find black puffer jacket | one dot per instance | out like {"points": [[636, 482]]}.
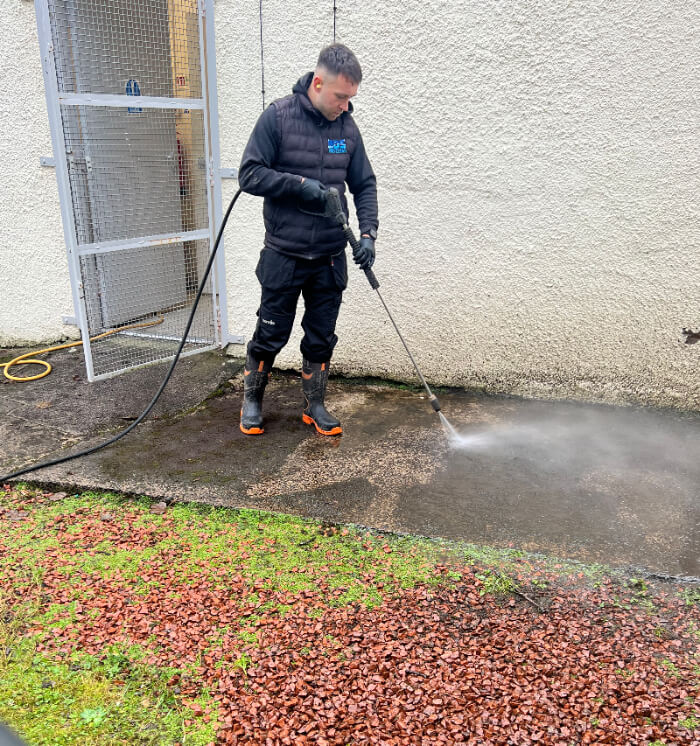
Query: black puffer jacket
{"points": [[292, 139]]}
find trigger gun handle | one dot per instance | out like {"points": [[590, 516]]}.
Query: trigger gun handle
{"points": [[336, 210]]}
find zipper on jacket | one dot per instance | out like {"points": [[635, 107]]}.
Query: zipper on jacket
{"points": [[320, 178], [320, 174]]}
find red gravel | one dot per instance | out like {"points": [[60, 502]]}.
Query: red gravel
{"points": [[450, 666], [432, 665]]}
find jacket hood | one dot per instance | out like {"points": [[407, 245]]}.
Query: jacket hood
{"points": [[301, 88]]}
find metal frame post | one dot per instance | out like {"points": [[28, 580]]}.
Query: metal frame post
{"points": [[48, 66], [207, 49]]}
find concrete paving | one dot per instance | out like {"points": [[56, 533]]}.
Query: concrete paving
{"points": [[619, 486]]}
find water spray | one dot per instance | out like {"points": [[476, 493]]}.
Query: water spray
{"points": [[334, 209]]}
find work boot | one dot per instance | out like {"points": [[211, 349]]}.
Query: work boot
{"points": [[314, 379], [255, 377]]}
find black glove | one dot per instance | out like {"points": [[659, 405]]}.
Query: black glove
{"points": [[313, 191], [364, 253]]}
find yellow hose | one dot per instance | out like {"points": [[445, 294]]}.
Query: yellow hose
{"points": [[27, 358]]}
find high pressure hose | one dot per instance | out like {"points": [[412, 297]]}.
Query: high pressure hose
{"points": [[152, 404]]}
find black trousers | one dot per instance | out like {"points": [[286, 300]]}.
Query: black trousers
{"points": [[283, 279]]}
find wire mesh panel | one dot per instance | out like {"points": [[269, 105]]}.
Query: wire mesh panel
{"points": [[128, 79], [135, 174], [118, 296], [102, 45]]}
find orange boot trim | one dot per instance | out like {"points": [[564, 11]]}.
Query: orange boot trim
{"points": [[310, 421], [251, 430]]}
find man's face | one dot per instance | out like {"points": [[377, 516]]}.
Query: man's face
{"points": [[332, 94]]}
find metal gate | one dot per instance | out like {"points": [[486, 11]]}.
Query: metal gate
{"points": [[130, 88]]}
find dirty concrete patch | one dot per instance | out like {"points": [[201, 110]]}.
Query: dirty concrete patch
{"points": [[596, 483], [42, 418], [358, 477]]}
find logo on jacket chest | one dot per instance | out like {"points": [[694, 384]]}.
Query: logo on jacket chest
{"points": [[337, 146]]}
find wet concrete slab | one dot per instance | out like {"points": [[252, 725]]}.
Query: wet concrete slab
{"points": [[619, 486]]}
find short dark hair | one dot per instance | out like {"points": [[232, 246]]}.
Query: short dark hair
{"points": [[339, 60]]}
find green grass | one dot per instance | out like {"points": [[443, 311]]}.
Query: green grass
{"points": [[513, 561], [285, 553], [671, 667], [92, 701], [496, 583], [116, 697], [691, 596], [86, 700], [119, 696]]}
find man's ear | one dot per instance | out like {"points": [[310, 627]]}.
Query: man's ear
{"points": [[317, 82]]}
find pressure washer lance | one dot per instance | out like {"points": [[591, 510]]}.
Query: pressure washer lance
{"points": [[335, 210]]}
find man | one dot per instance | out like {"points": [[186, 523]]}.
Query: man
{"points": [[302, 145]]}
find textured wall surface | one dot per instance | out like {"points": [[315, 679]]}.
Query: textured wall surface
{"points": [[33, 265], [538, 175]]}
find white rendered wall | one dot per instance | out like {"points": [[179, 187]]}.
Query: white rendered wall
{"points": [[538, 179], [33, 265]]}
